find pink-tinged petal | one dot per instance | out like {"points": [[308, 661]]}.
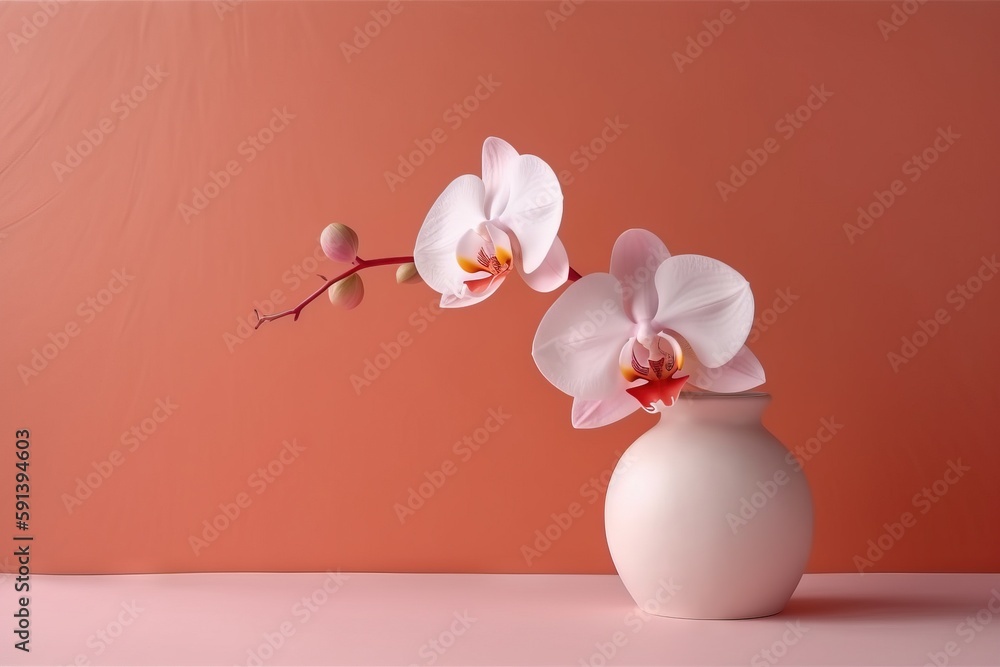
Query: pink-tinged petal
{"points": [[498, 156], [466, 297], [706, 302], [551, 273], [634, 260], [534, 210], [481, 285], [469, 252], [603, 411], [628, 358], [456, 211], [503, 245], [579, 339], [742, 373]]}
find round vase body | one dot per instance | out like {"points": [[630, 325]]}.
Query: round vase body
{"points": [[707, 514]]}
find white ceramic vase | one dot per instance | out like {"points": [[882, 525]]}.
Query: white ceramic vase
{"points": [[707, 514]]}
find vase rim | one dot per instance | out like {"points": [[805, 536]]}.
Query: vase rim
{"points": [[709, 394]]}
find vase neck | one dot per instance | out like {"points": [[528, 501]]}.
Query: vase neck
{"points": [[732, 409]]}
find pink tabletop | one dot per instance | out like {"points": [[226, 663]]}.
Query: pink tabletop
{"points": [[454, 619]]}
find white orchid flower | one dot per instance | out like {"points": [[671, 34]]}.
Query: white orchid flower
{"points": [[632, 338], [480, 229]]}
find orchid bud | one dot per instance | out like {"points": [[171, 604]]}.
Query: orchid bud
{"points": [[347, 292], [339, 243], [407, 273]]}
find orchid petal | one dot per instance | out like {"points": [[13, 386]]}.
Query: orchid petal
{"points": [[636, 256], [706, 302], [551, 273], [457, 210], [741, 373], [603, 411], [470, 246], [579, 339], [498, 157], [480, 286], [503, 246], [466, 297], [534, 210], [627, 359]]}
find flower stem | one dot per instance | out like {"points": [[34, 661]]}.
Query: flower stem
{"points": [[359, 265]]}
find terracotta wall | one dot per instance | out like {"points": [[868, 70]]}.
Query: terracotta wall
{"points": [[165, 167]]}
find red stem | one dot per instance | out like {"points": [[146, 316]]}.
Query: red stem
{"points": [[359, 265]]}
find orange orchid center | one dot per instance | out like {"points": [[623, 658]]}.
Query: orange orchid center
{"points": [[496, 263], [491, 258]]}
